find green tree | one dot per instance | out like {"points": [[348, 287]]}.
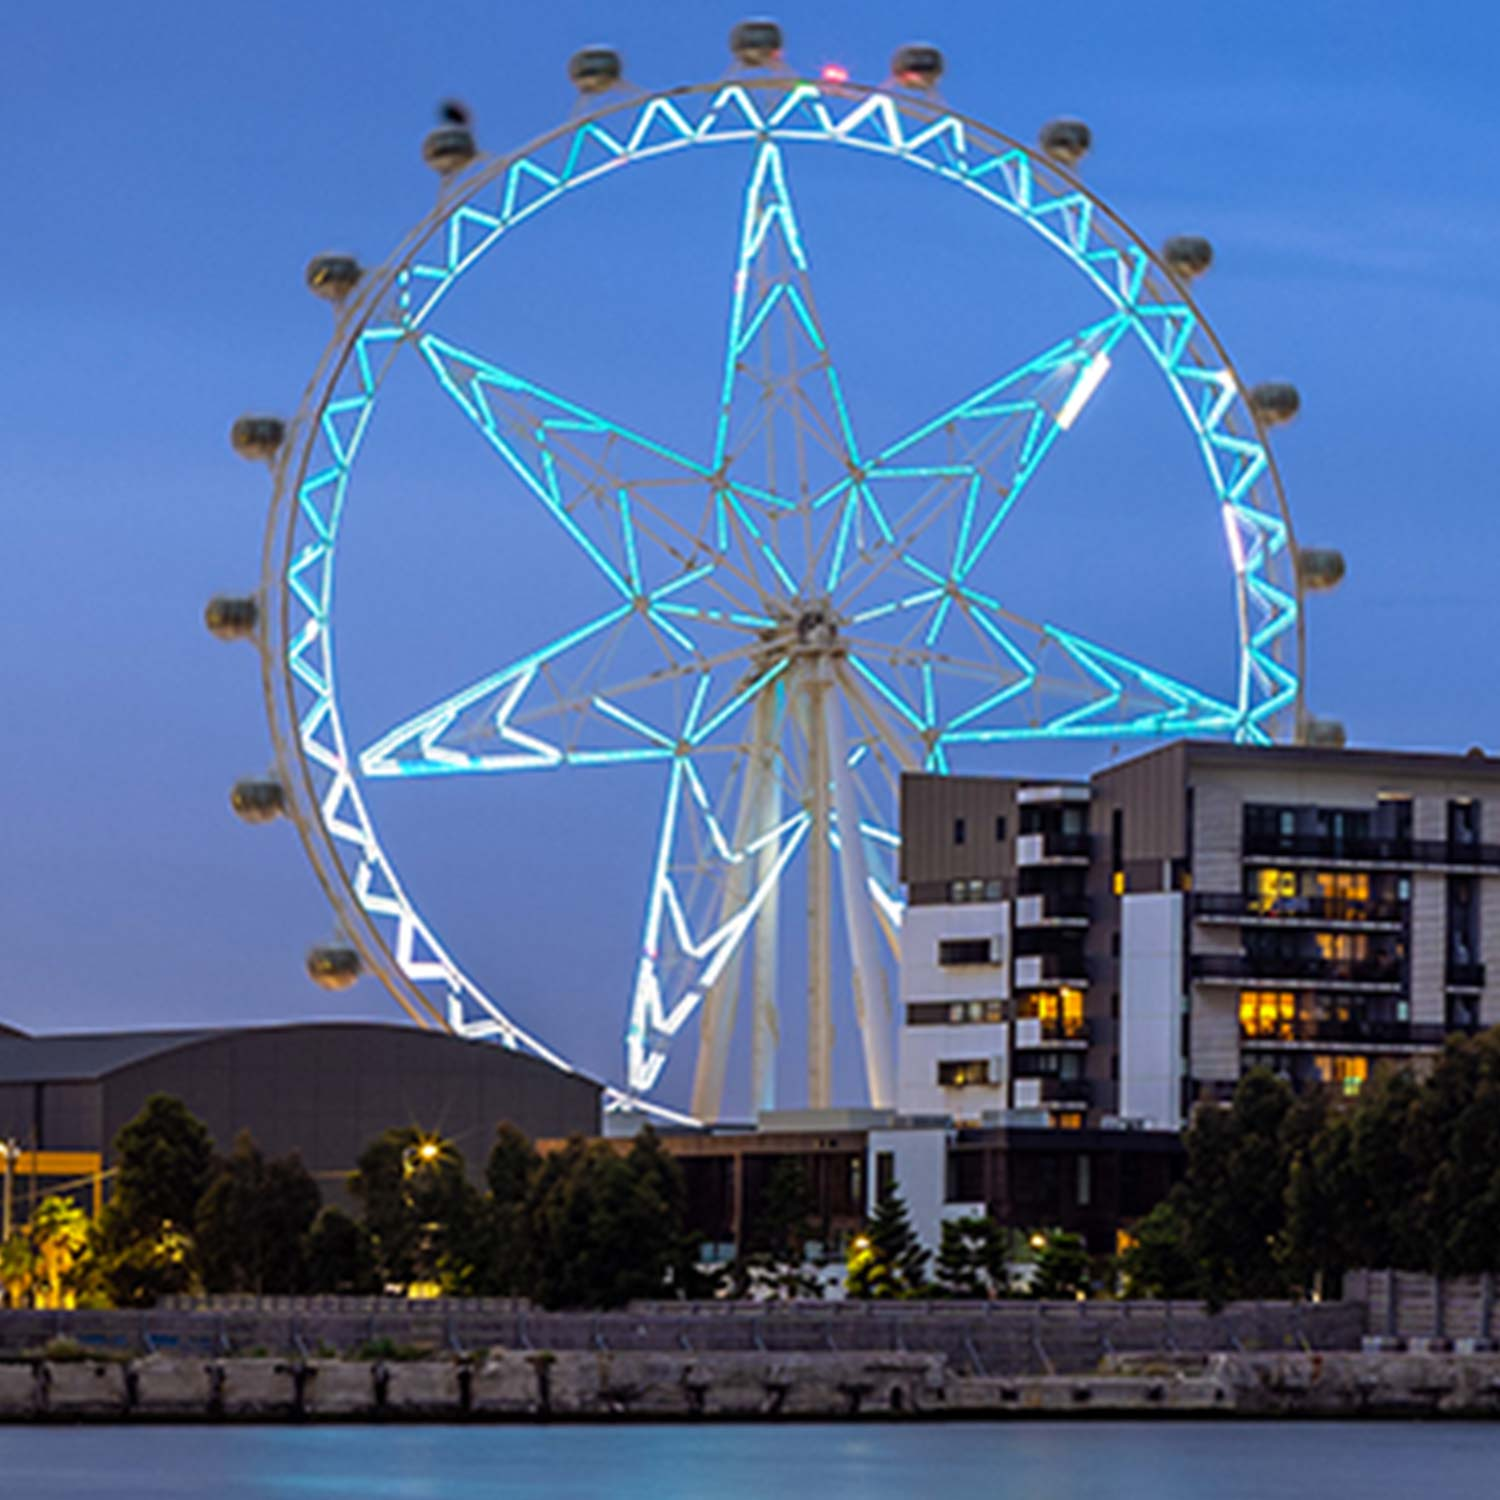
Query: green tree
{"points": [[888, 1259], [1158, 1262], [1062, 1267], [424, 1217], [773, 1256], [252, 1221], [1453, 1147], [339, 1257], [163, 1160], [511, 1174], [59, 1230], [608, 1228], [971, 1260]]}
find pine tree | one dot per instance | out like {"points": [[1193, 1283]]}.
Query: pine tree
{"points": [[971, 1258], [887, 1260]]}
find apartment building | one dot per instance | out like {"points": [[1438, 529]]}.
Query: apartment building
{"points": [[1119, 949]]}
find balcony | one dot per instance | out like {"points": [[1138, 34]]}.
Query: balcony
{"points": [[1235, 908], [1037, 1031], [1352, 850], [1053, 849], [1052, 910], [1331, 973], [1357, 1031], [1464, 976], [1044, 970], [1031, 1092]]}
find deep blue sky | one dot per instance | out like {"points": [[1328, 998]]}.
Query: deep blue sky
{"points": [[168, 168]]}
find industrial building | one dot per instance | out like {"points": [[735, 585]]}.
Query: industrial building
{"points": [[1112, 952], [324, 1089]]}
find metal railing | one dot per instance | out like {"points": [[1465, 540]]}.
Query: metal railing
{"points": [[1382, 972], [1296, 908]]}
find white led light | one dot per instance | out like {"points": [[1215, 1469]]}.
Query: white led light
{"points": [[1084, 387]]}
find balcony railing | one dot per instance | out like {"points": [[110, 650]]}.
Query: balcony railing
{"points": [[1356, 1030], [1050, 906], [1033, 848], [1464, 976], [1358, 849], [1238, 906], [1037, 969], [1384, 972], [1036, 1031]]}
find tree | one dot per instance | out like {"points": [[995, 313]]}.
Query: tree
{"points": [[773, 1257], [18, 1268], [971, 1259], [1062, 1267], [1158, 1263], [608, 1228], [252, 1221], [511, 1173], [339, 1257], [163, 1160], [59, 1231], [1455, 1140], [423, 1216], [887, 1260]]}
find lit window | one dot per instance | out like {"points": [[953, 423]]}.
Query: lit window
{"points": [[1349, 1073], [963, 1074], [1068, 1121], [1117, 882], [1268, 1013]]}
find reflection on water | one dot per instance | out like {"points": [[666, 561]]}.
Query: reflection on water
{"points": [[989, 1461]]}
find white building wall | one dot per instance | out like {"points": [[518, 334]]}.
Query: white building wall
{"points": [[923, 979], [922, 1048], [920, 1160], [1151, 1009], [924, 927]]}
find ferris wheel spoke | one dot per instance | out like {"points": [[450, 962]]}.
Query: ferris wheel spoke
{"points": [[993, 677], [705, 892], [578, 702], [947, 487], [642, 514], [782, 410]]}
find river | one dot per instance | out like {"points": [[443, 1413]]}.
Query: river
{"points": [[1147, 1460]]}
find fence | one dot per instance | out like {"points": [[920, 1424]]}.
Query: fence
{"points": [[1414, 1304], [983, 1338]]}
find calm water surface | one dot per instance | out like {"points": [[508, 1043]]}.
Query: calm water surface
{"points": [[1009, 1461]]}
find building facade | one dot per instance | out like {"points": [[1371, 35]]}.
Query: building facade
{"points": [[1155, 932], [324, 1089]]}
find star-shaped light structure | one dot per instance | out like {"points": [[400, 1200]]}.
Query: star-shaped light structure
{"points": [[787, 618]]}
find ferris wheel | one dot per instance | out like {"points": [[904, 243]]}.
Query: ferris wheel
{"points": [[782, 618]]}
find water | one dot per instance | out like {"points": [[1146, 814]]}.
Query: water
{"points": [[988, 1461]]}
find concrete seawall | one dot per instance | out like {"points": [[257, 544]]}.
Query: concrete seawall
{"points": [[521, 1386]]}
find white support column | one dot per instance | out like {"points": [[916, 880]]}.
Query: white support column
{"points": [[721, 1004], [819, 894], [765, 1021], [872, 1001]]}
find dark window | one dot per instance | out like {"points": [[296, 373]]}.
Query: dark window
{"points": [[885, 1172], [963, 1073], [964, 951], [1463, 821], [1000, 829], [1117, 839], [960, 831]]}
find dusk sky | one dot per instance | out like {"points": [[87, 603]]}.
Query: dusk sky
{"points": [[169, 168]]}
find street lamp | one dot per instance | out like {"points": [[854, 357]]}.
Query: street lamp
{"points": [[9, 1152]]}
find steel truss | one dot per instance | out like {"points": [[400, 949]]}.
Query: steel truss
{"points": [[805, 617]]}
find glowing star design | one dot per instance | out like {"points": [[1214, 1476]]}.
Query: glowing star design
{"points": [[786, 619]]}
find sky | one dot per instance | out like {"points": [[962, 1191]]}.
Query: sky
{"points": [[169, 168]]}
